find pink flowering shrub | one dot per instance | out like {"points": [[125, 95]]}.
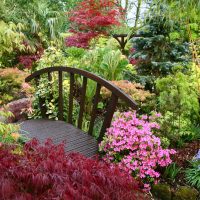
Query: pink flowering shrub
{"points": [[131, 144]]}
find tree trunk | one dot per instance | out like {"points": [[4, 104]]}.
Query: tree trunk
{"points": [[139, 2]]}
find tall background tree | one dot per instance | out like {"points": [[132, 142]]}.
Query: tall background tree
{"points": [[187, 12], [133, 10], [92, 18], [40, 22], [169, 37]]}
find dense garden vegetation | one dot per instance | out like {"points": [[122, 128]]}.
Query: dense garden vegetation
{"points": [[155, 149]]}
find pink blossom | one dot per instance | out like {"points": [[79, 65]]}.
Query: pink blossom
{"points": [[139, 149]]}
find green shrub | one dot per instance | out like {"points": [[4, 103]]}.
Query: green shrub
{"points": [[112, 65], [75, 52], [105, 62], [156, 52], [11, 80], [179, 105], [49, 93], [10, 37], [51, 57], [171, 171]]}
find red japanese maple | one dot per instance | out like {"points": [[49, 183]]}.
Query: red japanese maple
{"points": [[27, 61], [91, 18], [45, 172]]}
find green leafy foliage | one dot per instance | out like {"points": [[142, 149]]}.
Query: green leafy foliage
{"points": [[105, 62], [185, 11], [112, 65], [195, 77], [11, 36], [52, 57], [9, 132], [42, 18], [103, 59], [177, 94], [192, 174], [30, 25], [179, 105], [75, 52], [45, 91], [156, 52], [171, 171]]}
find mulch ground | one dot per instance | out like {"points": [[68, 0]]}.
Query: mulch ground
{"points": [[182, 158], [186, 153]]}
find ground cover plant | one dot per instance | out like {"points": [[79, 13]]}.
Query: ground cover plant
{"points": [[9, 133], [193, 173], [157, 65], [46, 172], [178, 101]]}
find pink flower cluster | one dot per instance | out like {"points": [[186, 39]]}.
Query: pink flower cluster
{"points": [[130, 142]]}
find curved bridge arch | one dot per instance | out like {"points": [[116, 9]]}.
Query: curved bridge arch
{"points": [[116, 94]]}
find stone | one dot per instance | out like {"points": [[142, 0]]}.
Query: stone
{"points": [[185, 193], [18, 107], [162, 191], [2, 119]]}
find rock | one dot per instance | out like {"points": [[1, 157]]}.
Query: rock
{"points": [[185, 193], [162, 191], [2, 119], [17, 108]]}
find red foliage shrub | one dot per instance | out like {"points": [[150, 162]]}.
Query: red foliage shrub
{"points": [[46, 172], [26, 61], [91, 18], [80, 40]]}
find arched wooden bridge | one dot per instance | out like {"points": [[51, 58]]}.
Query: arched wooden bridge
{"points": [[76, 139]]}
